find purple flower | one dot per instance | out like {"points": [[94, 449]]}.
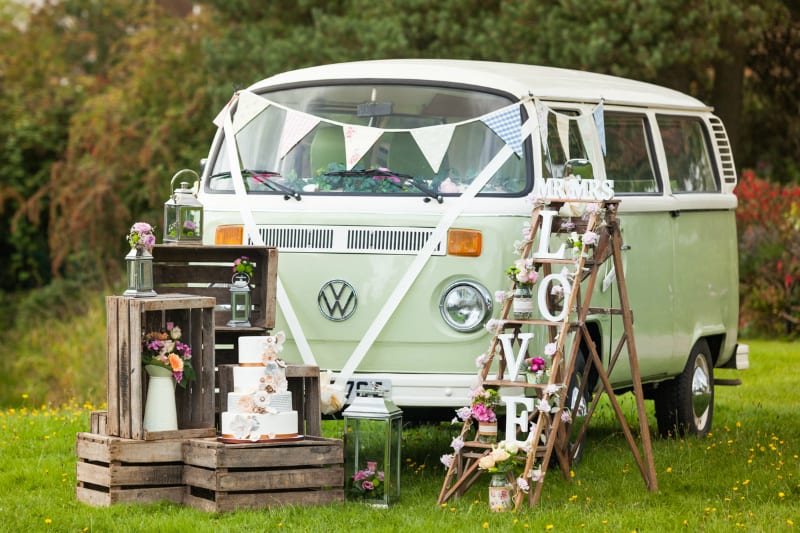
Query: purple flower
{"points": [[178, 375], [367, 485], [360, 475], [589, 238]]}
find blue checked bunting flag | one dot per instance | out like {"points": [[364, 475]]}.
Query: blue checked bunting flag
{"points": [[506, 124]]}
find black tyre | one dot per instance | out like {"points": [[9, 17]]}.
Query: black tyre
{"points": [[685, 405]]}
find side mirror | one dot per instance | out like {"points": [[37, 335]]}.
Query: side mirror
{"points": [[580, 168]]}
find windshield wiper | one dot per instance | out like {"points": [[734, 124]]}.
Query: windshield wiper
{"points": [[263, 177], [397, 179]]}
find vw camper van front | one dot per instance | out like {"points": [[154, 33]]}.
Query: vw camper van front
{"points": [[396, 190]]}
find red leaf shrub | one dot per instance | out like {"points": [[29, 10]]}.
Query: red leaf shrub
{"points": [[768, 221]]}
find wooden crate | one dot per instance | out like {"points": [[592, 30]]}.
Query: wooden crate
{"points": [[128, 320], [207, 271], [114, 470], [303, 383], [98, 422], [224, 477]]}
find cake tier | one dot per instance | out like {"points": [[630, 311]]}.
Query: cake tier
{"points": [[253, 378], [253, 349], [281, 402], [256, 427]]}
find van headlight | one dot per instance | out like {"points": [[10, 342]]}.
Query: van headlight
{"points": [[465, 306]]}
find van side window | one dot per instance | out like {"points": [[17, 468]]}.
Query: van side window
{"points": [[688, 160], [629, 155]]}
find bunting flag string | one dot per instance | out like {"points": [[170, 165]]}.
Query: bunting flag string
{"points": [[296, 125], [357, 142], [249, 107], [596, 120], [434, 141], [506, 124], [600, 124]]}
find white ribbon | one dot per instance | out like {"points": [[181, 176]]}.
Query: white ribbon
{"points": [[252, 232], [448, 217]]}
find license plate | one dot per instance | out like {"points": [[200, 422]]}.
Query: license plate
{"points": [[364, 383]]}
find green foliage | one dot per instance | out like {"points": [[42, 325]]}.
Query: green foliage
{"points": [[768, 220], [102, 101]]}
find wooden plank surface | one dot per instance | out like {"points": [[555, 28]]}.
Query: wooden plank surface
{"points": [[99, 498], [210, 453], [225, 502], [263, 480]]}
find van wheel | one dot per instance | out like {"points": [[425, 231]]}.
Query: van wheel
{"points": [[685, 405]]}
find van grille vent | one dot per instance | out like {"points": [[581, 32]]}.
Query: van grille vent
{"points": [[348, 239], [724, 148]]}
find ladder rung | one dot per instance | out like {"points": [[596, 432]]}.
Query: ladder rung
{"points": [[512, 321]]}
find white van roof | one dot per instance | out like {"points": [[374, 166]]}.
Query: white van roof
{"points": [[547, 83]]}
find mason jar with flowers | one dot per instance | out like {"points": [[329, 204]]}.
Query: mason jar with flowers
{"points": [[500, 463], [484, 404], [524, 275], [167, 362]]}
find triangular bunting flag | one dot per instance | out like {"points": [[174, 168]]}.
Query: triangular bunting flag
{"points": [[506, 124], [357, 142], [562, 124], [295, 126], [433, 141], [600, 124], [219, 120], [586, 125], [250, 105], [541, 115]]}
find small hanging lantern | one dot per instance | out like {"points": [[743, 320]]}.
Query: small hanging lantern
{"points": [[183, 212], [240, 293], [372, 431]]}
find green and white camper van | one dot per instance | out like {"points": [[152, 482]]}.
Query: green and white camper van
{"points": [[396, 189]]}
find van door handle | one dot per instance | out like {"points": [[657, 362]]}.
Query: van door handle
{"points": [[675, 214]]}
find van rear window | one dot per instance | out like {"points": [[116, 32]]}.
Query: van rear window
{"points": [[688, 155]]}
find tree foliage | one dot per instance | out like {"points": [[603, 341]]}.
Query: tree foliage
{"points": [[102, 101]]}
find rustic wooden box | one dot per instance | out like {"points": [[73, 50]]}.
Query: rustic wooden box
{"points": [[98, 421], [114, 470], [303, 383], [224, 477], [207, 271], [128, 320]]}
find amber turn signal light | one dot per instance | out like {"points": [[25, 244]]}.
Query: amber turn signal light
{"points": [[465, 242], [230, 234]]}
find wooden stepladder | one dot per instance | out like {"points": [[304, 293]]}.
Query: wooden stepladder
{"points": [[550, 409]]}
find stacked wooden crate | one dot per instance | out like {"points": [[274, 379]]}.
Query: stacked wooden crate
{"points": [[114, 470], [120, 461], [225, 477]]}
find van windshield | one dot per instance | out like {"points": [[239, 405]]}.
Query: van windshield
{"points": [[369, 139]]}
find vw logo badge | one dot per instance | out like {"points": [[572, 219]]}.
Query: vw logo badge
{"points": [[337, 300]]}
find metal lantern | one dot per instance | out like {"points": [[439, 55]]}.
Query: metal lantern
{"points": [[240, 301], [372, 429], [183, 212], [139, 266]]}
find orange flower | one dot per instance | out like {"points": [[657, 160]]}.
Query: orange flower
{"points": [[175, 362]]}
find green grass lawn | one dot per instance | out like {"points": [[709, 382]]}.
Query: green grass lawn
{"points": [[744, 476]]}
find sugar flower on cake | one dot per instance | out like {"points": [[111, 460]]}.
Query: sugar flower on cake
{"points": [[245, 428]]}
